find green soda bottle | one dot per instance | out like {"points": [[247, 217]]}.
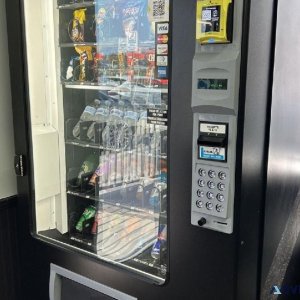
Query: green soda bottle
{"points": [[88, 213]]}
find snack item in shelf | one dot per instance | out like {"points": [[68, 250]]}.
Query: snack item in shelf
{"points": [[87, 115], [73, 64], [88, 166], [88, 213], [86, 72], [76, 27]]}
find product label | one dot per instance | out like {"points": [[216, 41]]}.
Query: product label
{"points": [[132, 115], [102, 112], [117, 113], [90, 110], [212, 153]]}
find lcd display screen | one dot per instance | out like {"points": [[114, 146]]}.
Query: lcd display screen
{"points": [[212, 84]]}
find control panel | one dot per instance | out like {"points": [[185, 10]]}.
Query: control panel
{"points": [[215, 103], [212, 190]]}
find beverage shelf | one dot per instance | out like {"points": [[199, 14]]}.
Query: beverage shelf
{"points": [[86, 85], [112, 196]]}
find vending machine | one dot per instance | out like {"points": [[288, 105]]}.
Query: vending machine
{"points": [[141, 144]]}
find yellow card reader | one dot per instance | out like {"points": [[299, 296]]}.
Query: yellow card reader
{"points": [[214, 21]]}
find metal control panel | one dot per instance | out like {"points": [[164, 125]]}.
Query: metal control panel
{"points": [[215, 102]]}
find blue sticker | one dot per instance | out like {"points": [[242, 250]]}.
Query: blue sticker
{"points": [[162, 72], [212, 153]]}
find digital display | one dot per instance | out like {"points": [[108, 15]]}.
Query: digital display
{"points": [[210, 21], [212, 84]]}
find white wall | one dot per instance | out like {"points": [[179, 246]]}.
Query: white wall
{"points": [[7, 176]]}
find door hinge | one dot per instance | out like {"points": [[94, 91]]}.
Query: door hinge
{"points": [[20, 165]]}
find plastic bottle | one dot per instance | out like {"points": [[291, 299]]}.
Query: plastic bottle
{"points": [[160, 242], [112, 139], [88, 214], [131, 118], [87, 115], [110, 135], [89, 165], [143, 145], [101, 116]]}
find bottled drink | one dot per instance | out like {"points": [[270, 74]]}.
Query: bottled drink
{"points": [[112, 139], [89, 165], [111, 134], [88, 214], [97, 222], [160, 242], [143, 141], [155, 152], [87, 115], [154, 199], [100, 172], [101, 116], [131, 117]]}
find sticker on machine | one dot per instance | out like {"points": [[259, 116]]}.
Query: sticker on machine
{"points": [[212, 153], [162, 61], [162, 49], [158, 10]]}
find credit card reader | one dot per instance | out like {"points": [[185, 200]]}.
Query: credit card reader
{"points": [[215, 102], [214, 21]]}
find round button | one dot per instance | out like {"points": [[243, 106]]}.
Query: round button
{"points": [[202, 222], [200, 193], [199, 204], [222, 175], [209, 206], [201, 183], [202, 172], [212, 174], [221, 186], [211, 185], [219, 208], [210, 195], [220, 197]]}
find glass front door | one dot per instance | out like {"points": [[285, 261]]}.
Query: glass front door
{"points": [[110, 133]]}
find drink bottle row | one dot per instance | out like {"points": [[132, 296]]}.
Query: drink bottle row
{"points": [[131, 148], [118, 234]]}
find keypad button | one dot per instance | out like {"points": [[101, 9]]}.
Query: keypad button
{"points": [[209, 206], [221, 186], [210, 195], [199, 204], [211, 185], [222, 175], [200, 193], [220, 197], [201, 182], [211, 174], [202, 172], [219, 208]]}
